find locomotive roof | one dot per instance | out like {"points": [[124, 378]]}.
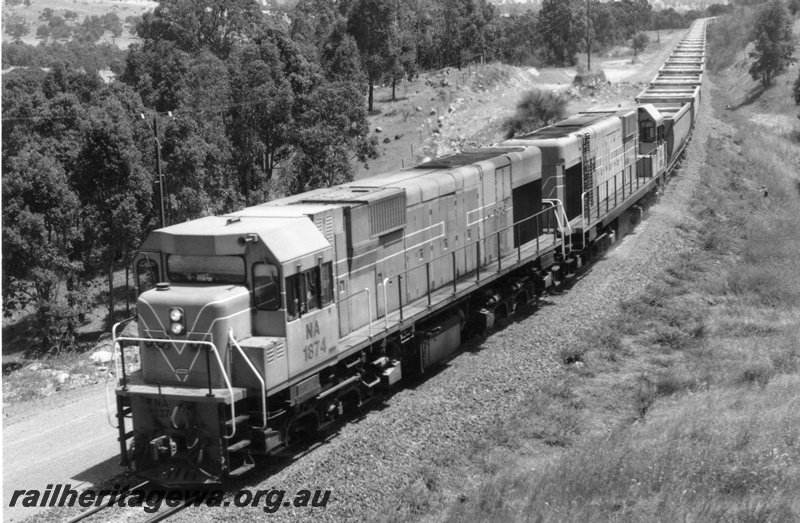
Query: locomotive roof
{"points": [[466, 157], [568, 126], [221, 235]]}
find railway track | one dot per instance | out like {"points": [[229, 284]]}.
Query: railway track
{"points": [[171, 511]]}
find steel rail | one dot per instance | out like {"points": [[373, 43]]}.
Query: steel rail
{"points": [[94, 510]]}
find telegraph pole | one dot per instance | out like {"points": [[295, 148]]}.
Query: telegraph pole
{"points": [[588, 40], [160, 178]]}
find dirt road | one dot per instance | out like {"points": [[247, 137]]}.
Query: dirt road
{"points": [[70, 443]]}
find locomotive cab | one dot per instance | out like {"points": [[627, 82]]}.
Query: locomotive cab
{"points": [[652, 154], [220, 300]]}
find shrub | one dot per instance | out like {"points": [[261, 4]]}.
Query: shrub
{"points": [[536, 109]]}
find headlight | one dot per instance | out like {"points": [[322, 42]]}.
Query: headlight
{"points": [[176, 314], [177, 326]]}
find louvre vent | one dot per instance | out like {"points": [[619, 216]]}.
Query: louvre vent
{"points": [[387, 215], [275, 351], [328, 232], [324, 223]]}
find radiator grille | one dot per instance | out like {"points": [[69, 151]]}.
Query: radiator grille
{"points": [[387, 215]]}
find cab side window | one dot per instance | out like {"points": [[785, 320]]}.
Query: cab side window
{"points": [[647, 131], [309, 290], [266, 287], [293, 295], [146, 274], [326, 283], [312, 288]]}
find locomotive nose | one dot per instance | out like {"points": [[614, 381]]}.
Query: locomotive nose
{"points": [[183, 320]]}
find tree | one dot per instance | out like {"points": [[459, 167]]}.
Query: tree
{"points": [[640, 41], [133, 22], [61, 32], [402, 52], [113, 184], [17, 30], [46, 13], [313, 21], [340, 58], [43, 32], [370, 24], [196, 150], [264, 110], [40, 230], [774, 42], [212, 24], [558, 25], [331, 132], [535, 109], [639, 15], [796, 91]]}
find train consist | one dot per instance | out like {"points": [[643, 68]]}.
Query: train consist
{"points": [[265, 324]]}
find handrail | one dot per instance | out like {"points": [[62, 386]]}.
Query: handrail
{"points": [[258, 377], [536, 218], [385, 303], [212, 348], [369, 304], [108, 370], [557, 205]]}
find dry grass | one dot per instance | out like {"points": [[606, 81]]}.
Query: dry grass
{"points": [[721, 455], [697, 385]]}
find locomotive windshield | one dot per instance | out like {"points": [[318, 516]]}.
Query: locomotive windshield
{"points": [[205, 269], [146, 274]]}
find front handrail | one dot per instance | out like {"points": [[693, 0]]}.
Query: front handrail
{"points": [[258, 377], [211, 347], [115, 346]]}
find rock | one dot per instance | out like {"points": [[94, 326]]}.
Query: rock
{"points": [[418, 109], [386, 140], [433, 111], [101, 356], [398, 136], [379, 129]]}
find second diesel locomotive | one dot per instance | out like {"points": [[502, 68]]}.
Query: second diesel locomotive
{"points": [[264, 324]]}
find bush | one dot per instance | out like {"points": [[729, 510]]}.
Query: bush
{"points": [[796, 92], [640, 41], [536, 109]]}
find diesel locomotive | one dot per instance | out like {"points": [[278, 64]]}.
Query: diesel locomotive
{"points": [[262, 325]]}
